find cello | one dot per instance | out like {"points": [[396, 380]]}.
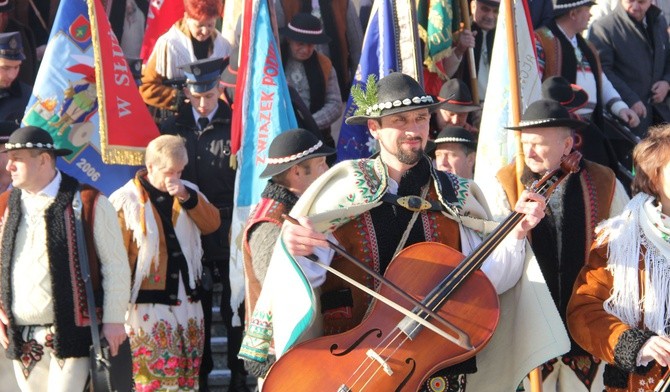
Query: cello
{"points": [[392, 351]]}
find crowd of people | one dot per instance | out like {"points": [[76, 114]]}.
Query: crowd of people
{"points": [[157, 245]]}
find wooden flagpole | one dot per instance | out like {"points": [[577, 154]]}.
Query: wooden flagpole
{"points": [[535, 375], [515, 95], [465, 16]]}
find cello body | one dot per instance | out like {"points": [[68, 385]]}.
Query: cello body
{"points": [[376, 355]]}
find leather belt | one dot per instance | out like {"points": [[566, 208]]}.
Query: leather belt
{"points": [[412, 203]]}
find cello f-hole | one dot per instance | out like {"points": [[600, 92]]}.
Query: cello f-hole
{"points": [[356, 343], [409, 361]]}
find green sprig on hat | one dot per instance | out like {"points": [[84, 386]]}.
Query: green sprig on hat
{"points": [[365, 99]]}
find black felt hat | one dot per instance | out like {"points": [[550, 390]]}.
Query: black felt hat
{"points": [[490, 3], [456, 97], [292, 147], [396, 93], [547, 113], [561, 7], [305, 28], [203, 75], [455, 135], [6, 5], [11, 46], [36, 138], [570, 96], [229, 75]]}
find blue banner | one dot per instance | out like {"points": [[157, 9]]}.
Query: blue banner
{"points": [[378, 57], [267, 108], [65, 98]]}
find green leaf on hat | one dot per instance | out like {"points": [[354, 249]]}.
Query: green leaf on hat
{"points": [[365, 99]]}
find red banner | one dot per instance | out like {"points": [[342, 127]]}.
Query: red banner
{"points": [[126, 126]]}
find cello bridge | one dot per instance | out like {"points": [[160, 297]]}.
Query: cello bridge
{"points": [[373, 355]]}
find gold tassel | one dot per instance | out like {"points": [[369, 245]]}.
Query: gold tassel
{"points": [[233, 161]]}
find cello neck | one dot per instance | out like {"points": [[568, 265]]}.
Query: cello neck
{"points": [[545, 186]]}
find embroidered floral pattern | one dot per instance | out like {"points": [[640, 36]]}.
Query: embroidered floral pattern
{"points": [[584, 366], [450, 383], [168, 357], [31, 353]]}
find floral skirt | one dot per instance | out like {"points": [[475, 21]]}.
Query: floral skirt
{"points": [[166, 343]]}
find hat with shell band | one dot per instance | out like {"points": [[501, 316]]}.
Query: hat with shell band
{"points": [[33, 138], [394, 93], [292, 147], [203, 75], [456, 97], [570, 96], [305, 28], [455, 135], [562, 7], [547, 113]]}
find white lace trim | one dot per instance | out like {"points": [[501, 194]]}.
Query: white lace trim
{"points": [[397, 103], [276, 161]]}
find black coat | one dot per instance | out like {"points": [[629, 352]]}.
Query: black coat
{"points": [[13, 101], [209, 168]]}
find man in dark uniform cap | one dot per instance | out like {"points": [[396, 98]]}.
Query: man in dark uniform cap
{"points": [[14, 94], [205, 124]]}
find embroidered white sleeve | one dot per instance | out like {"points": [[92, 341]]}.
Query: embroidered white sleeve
{"points": [[504, 266], [314, 273]]}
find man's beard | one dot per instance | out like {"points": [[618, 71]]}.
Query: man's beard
{"points": [[408, 157]]}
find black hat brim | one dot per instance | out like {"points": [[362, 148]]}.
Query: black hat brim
{"points": [[581, 98], [59, 152], [316, 39], [551, 123], [363, 120], [273, 170], [459, 108]]}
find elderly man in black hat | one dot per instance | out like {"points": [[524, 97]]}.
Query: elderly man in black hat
{"points": [[562, 240], [457, 106], [311, 73], [14, 94], [373, 208], [561, 50], [205, 125], [455, 151], [43, 325], [295, 159]]}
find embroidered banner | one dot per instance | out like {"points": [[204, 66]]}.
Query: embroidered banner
{"points": [[262, 110], [86, 97], [497, 146], [435, 23], [390, 44]]}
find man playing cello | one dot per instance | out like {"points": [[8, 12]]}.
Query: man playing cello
{"points": [[363, 206]]}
